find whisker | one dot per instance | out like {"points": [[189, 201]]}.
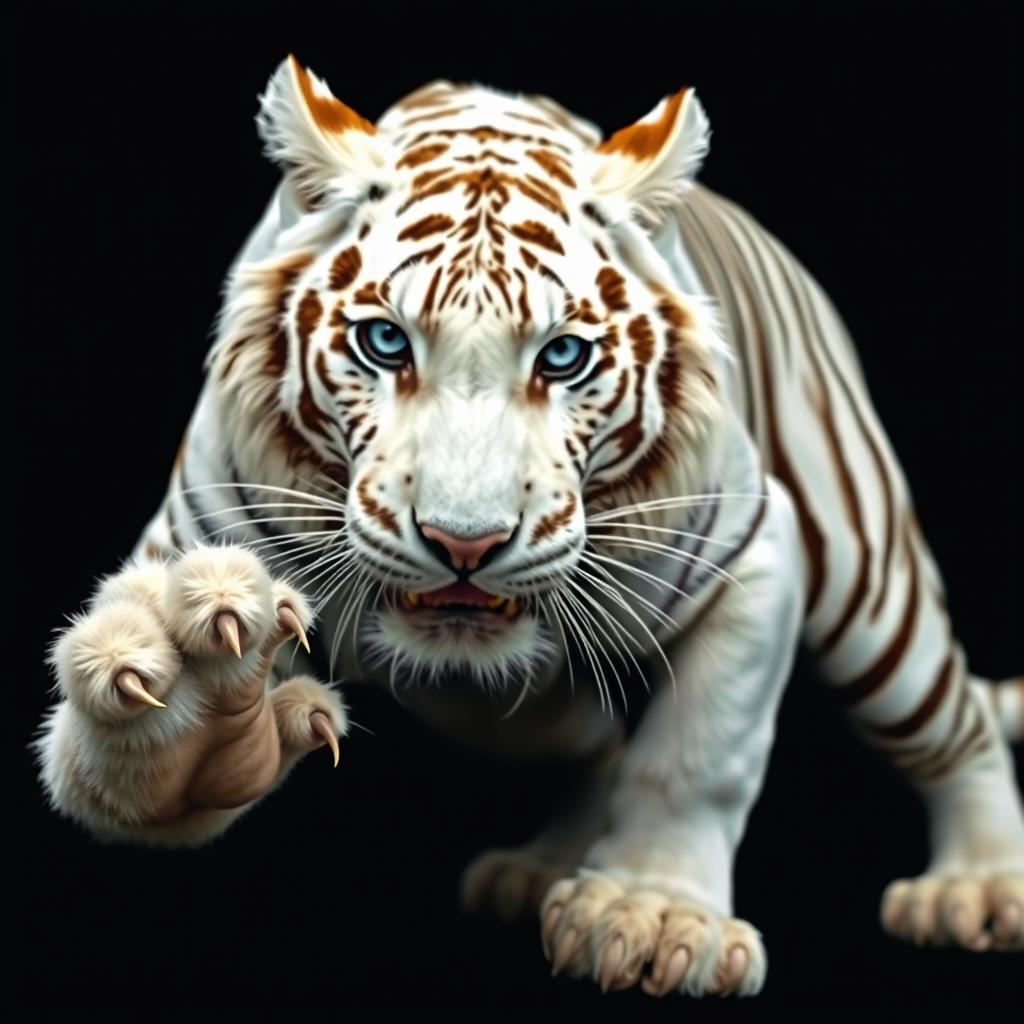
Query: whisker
{"points": [[587, 618], [626, 607], [667, 551], [666, 619], [663, 529], [321, 502], [660, 504]]}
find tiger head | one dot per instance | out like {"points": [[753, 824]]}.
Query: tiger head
{"points": [[460, 320]]}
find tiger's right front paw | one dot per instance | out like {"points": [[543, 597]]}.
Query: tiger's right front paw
{"points": [[168, 729]]}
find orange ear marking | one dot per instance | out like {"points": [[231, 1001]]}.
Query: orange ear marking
{"points": [[644, 139], [328, 113]]}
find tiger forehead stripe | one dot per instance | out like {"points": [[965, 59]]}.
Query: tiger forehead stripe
{"points": [[538, 234], [423, 154], [429, 225]]}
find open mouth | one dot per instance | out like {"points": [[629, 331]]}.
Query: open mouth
{"points": [[463, 599]]}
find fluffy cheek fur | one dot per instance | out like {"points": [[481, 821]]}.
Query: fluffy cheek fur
{"points": [[429, 652]]}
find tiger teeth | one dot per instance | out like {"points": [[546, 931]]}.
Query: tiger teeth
{"points": [[511, 608], [496, 601], [410, 598]]}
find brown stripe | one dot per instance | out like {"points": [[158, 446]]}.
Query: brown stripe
{"points": [[375, 510], [925, 711], [549, 524], [612, 287], [642, 337], [813, 538], [960, 751], [554, 165], [536, 233], [876, 457], [428, 225], [345, 268], [874, 678], [422, 154]]}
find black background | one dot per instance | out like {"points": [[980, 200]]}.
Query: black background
{"points": [[877, 141]]}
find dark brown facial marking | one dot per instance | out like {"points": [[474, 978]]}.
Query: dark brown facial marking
{"points": [[277, 347], [642, 337], [429, 225], [554, 164], [423, 154], [672, 314], [367, 294], [345, 268], [549, 524], [537, 234], [612, 286], [375, 510]]}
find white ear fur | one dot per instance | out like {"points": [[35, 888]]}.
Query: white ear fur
{"points": [[652, 163], [313, 135]]}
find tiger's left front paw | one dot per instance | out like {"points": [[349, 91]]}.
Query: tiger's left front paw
{"points": [[594, 925]]}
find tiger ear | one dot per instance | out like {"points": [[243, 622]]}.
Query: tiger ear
{"points": [[314, 136], [652, 163]]}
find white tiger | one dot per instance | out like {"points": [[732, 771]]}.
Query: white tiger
{"points": [[534, 418]]}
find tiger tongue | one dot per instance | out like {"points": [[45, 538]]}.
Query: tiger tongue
{"points": [[458, 593]]}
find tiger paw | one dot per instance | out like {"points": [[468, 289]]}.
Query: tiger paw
{"points": [[168, 729], [620, 935], [977, 911]]}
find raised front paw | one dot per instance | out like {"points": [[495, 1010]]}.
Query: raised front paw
{"points": [[617, 934], [978, 910], [168, 728]]}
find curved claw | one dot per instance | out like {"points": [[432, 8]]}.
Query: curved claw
{"points": [[564, 951], [291, 620], [129, 683], [321, 725], [614, 958], [227, 626]]}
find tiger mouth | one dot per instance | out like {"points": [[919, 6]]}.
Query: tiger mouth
{"points": [[460, 600]]}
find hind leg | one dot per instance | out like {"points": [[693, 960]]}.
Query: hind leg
{"points": [[904, 680]]}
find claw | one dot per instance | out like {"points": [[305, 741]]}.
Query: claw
{"points": [[564, 952], [614, 957], [548, 927], [321, 725], [129, 683], [227, 626], [291, 620], [670, 977]]}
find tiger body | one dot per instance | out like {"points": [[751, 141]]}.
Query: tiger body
{"points": [[704, 488]]}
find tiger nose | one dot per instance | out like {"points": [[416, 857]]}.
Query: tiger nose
{"points": [[464, 552]]}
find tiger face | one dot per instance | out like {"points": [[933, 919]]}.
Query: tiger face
{"points": [[463, 326]]}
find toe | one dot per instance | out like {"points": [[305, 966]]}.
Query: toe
{"points": [[207, 588], [962, 911], [1006, 900]]}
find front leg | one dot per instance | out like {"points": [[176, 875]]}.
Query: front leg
{"points": [[657, 888]]}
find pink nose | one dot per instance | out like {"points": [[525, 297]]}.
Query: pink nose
{"points": [[465, 553]]}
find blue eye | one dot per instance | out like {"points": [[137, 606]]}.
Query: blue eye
{"points": [[564, 357], [384, 343]]}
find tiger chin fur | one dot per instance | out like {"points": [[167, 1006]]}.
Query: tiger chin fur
{"points": [[515, 406]]}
